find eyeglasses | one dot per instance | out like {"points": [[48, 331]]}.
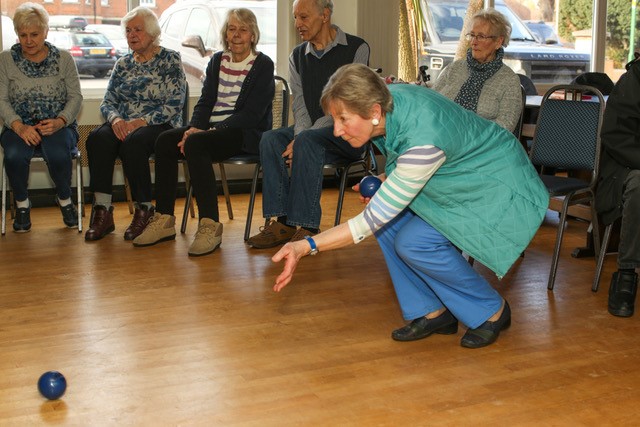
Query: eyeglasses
{"points": [[479, 37]]}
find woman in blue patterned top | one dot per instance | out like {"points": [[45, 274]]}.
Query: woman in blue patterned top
{"points": [[39, 101], [144, 98], [229, 118]]}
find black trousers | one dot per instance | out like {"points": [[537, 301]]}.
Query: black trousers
{"points": [[103, 148], [201, 150]]}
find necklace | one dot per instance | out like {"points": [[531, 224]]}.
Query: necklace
{"points": [[139, 57]]}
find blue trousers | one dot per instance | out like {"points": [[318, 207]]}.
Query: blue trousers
{"points": [[429, 273], [298, 197], [56, 149]]}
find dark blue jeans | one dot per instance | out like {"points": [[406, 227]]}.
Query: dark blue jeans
{"points": [[56, 149], [298, 196]]}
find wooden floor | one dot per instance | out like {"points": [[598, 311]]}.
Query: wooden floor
{"points": [[149, 336]]}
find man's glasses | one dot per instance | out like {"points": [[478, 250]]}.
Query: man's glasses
{"points": [[479, 37]]}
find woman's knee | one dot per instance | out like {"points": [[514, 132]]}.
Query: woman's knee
{"points": [[166, 145], [274, 142], [417, 240]]}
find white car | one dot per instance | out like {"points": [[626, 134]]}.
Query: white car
{"points": [[9, 37], [192, 27]]}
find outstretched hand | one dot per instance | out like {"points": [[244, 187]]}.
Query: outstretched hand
{"points": [[291, 254]]}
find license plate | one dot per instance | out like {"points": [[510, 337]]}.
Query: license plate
{"points": [[97, 51]]}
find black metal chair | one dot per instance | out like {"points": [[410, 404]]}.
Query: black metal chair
{"points": [[567, 138], [77, 158]]}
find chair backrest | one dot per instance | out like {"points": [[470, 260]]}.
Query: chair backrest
{"points": [[518, 130], [567, 134], [600, 81], [528, 85], [280, 104], [185, 106]]}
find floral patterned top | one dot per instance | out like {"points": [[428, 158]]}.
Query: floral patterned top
{"points": [[34, 91], [152, 90]]}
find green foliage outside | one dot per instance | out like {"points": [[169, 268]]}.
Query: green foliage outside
{"points": [[578, 15]]}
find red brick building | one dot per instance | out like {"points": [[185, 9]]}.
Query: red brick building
{"points": [[94, 11]]}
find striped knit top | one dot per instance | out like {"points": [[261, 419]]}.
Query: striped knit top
{"points": [[414, 168], [231, 78]]}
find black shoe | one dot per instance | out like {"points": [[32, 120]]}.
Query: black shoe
{"points": [[69, 214], [422, 327], [622, 293], [22, 221], [488, 332]]}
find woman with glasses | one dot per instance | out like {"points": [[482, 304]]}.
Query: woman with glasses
{"points": [[482, 82]]}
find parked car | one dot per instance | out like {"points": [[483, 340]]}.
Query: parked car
{"points": [[543, 32], [192, 27], [92, 52], [9, 37], [115, 34], [67, 21], [543, 64]]}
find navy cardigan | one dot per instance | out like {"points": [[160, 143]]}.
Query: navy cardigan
{"points": [[252, 111]]}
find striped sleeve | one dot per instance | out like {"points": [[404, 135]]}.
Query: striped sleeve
{"points": [[414, 168]]}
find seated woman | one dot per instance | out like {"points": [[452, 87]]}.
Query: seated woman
{"points": [[144, 98], [482, 82], [229, 118], [39, 101], [470, 186]]}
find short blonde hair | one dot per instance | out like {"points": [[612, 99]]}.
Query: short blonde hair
{"points": [[358, 88], [246, 17], [498, 21], [30, 14], [150, 19]]}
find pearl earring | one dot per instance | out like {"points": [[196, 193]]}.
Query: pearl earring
{"points": [[375, 122]]}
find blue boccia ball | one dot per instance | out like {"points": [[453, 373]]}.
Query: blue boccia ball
{"points": [[369, 185], [52, 385]]}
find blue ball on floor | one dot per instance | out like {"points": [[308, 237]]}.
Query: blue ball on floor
{"points": [[369, 185], [52, 385]]}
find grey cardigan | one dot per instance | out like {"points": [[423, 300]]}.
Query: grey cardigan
{"points": [[500, 99], [17, 87]]}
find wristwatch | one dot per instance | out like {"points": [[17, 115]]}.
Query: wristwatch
{"points": [[312, 243]]}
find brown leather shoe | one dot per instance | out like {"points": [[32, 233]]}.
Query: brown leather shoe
{"points": [[139, 222], [101, 223]]}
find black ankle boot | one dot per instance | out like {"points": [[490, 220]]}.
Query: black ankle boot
{"points": [[622, 293]]}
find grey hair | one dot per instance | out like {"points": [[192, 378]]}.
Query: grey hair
{"points": [[321, 5], [498, 21], [246, 17], [28, 14], [150, 19]]}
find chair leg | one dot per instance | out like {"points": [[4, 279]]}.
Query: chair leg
{"points": [[79, 192], [4, 200], [127, 190], [601, 255], [187, 183], [343, 184], [556, 250], [252, 201], [225, 189], [185, 214]]}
